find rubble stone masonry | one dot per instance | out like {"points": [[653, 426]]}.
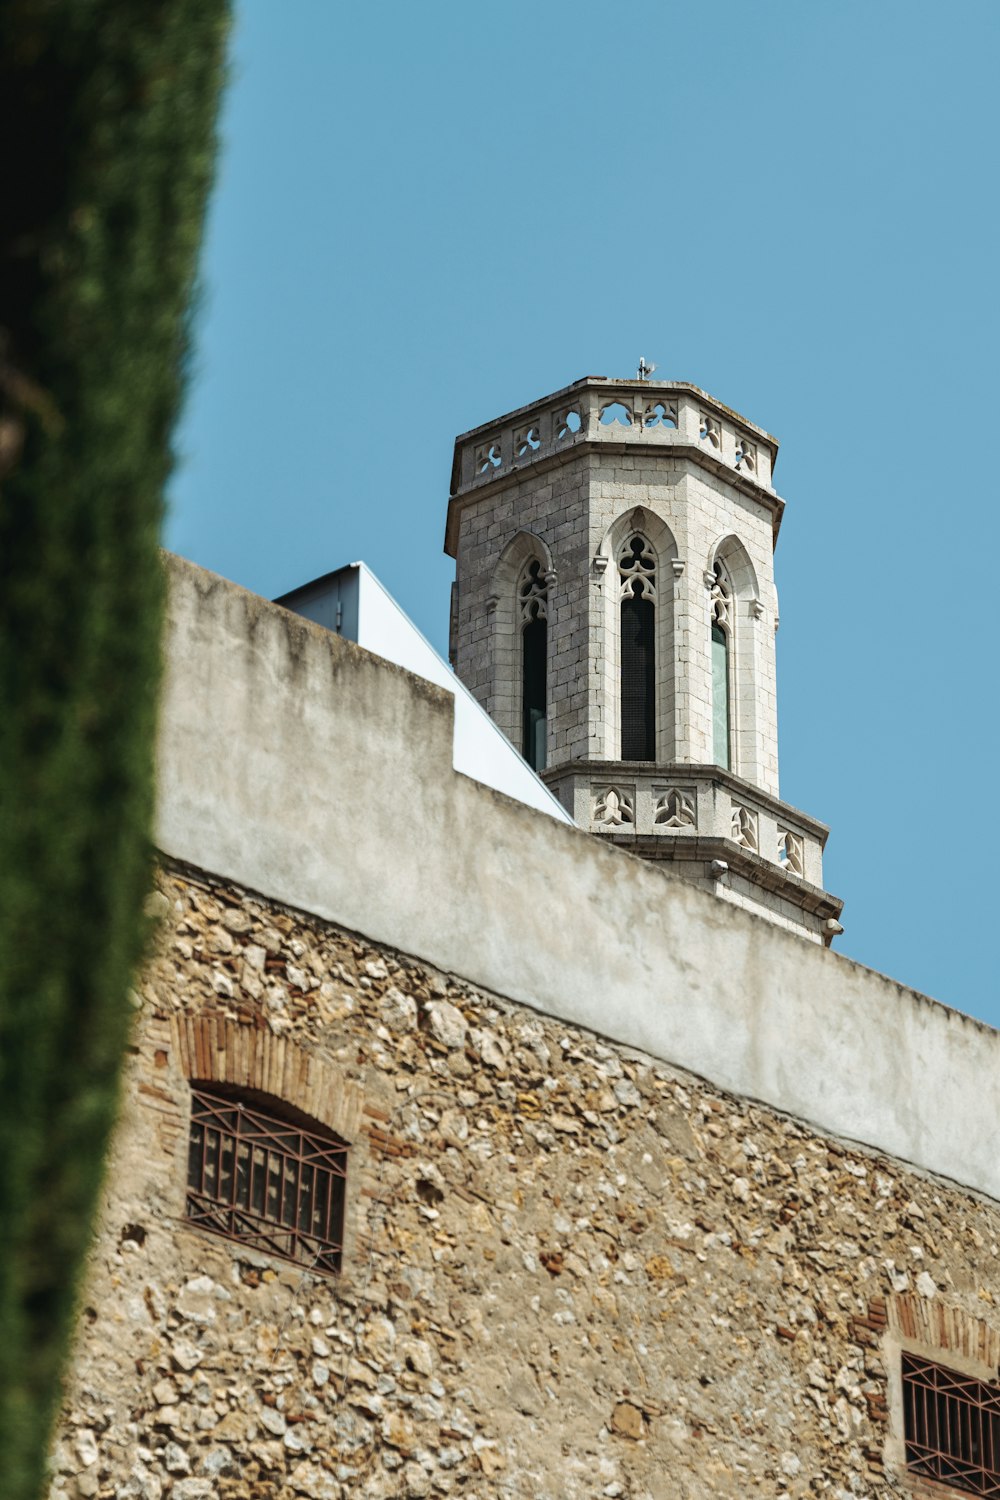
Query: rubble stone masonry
{"points": [[570, 1270]]}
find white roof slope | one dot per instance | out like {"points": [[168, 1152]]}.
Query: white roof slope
{"points": [[352, 602]]}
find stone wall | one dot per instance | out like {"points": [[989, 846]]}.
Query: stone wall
{"points": [[293, 762], [571, 1270]]}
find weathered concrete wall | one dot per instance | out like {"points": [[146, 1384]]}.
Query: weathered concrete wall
{"points": [[303, 767], [570, 1270]]}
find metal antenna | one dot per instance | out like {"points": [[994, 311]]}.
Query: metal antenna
{"points": [[644, 371]]}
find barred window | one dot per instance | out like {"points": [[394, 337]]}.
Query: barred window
{"points": [[951, 1427], [269, 1182]]}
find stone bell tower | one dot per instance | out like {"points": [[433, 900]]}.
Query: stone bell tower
{"points": [[614, 610]]}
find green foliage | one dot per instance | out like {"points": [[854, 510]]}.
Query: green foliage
{"points": [[108, 122]]}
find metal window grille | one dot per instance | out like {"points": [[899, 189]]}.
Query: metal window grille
{"points": [[951, 1427], [265, 1181]]}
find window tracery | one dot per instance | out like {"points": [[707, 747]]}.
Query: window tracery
{"points": [[721, 597], [637, 569], [744, 828], [613, 807], [791, 851], [677, 808], [746, 455], [533, 593], [637, 591]]}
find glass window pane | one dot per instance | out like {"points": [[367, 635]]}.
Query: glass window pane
{"points": [[638, 685]]}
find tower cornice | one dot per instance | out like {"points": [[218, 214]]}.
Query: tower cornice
{"points": [[672, 419]]}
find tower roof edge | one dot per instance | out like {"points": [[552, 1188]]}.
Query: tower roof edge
{"points": [[630, 384]]}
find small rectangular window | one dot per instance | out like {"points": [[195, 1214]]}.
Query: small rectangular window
{"points": [[951, 1427], [266, 1181]]}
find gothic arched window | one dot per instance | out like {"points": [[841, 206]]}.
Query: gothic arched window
{"points": [[532, 597], [722, 624], [637, 571]]}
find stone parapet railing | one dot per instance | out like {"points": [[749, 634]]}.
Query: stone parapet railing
{"points": [[691, 802], [651, 413]]}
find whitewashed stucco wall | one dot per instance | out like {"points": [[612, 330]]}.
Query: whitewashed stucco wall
{"points": [[303, 767]]}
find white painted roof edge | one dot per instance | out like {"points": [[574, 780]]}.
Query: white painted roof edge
{"points": [[481, 750]]}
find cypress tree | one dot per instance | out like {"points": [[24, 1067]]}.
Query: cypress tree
{"points": [[108, 115]]}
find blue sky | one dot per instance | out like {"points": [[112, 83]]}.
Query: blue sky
{"points": [[429, 214]]}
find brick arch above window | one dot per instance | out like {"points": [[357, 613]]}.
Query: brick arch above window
{"points": [[896, 1330], [214, 1049], [947, 1329]]}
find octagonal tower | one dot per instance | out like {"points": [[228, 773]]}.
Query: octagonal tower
{"points": [[614, 610]]}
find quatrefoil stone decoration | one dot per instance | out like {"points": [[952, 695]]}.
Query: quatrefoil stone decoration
{"points": [[488, 457], [613, 808], [746, 455], [677, 808]]}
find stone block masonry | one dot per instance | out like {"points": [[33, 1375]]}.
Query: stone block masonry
{"points": [[571, 1269], [573, 492], [653, 525]]}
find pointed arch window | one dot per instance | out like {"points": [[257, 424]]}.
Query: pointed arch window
{"points": [[637, 572], [532, 601], [722, 625]]}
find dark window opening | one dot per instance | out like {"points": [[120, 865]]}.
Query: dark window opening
{"points": [[534, 647], [951, 1427], [638, 679], [720, 697], [265, 1181]]}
